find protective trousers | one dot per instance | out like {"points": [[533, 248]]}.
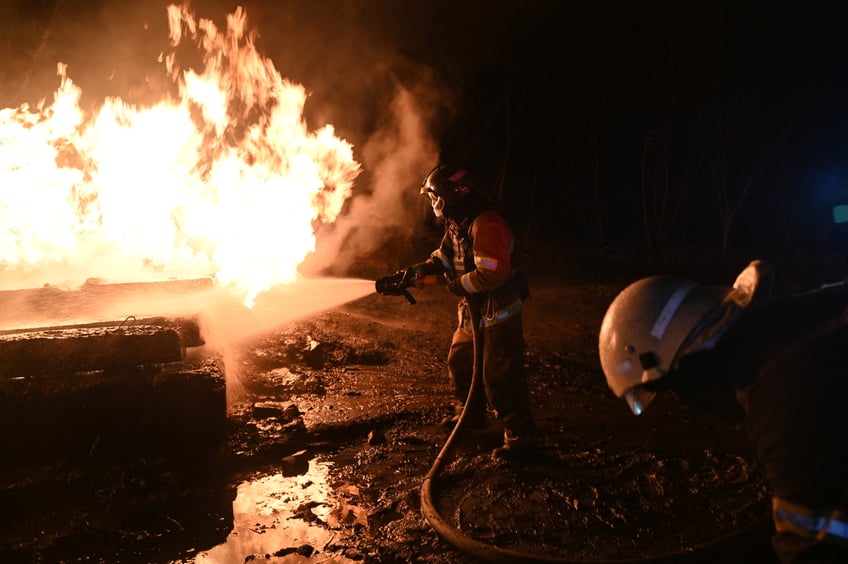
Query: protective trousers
{"points": [[503, 375]]}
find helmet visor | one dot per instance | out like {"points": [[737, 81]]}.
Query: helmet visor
{"points": [[638, 398], [429, 192], [436, 201]]}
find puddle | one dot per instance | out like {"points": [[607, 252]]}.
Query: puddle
{"points": [[275, 514]]}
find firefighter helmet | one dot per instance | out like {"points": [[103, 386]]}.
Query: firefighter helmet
{"points": [[656, 320], [446, 186]]}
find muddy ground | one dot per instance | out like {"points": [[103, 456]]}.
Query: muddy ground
{"points": [[360, 390]]}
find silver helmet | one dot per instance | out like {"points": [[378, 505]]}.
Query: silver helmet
{"points": [[656, 320]]}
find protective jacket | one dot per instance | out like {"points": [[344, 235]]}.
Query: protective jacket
{"points": [[786, 358], [477, 253]]}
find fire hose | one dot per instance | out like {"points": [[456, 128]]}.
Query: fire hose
{"points": [[488, 552]]}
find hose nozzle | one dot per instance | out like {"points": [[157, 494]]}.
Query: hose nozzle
{"points": [[395, 285]]}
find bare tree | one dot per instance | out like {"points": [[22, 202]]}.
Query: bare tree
{"points": [[666, 177], [731, 195]]}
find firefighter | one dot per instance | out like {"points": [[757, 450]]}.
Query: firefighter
{"points": [[475, 257], [775, 365]]}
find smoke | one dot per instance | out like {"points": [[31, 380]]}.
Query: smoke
{"points": [[111, 49], [226, 322], [358, 61], [397, 156]]}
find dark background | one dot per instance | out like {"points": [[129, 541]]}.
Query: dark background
{"points": [[597, 124]]}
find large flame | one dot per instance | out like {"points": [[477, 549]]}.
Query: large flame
{"points": [[223, 179]]}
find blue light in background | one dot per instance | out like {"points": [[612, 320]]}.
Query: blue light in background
{"points": [[832, 191]]}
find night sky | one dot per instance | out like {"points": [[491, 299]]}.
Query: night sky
{"points": [[596, 124]]}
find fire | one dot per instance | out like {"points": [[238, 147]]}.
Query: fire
{"points": [[222, 178]]}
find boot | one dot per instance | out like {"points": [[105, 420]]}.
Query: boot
{"points": [[521, 440], [475, 419]]}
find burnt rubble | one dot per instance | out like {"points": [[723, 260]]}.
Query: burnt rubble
{"points": [[77, 393]]}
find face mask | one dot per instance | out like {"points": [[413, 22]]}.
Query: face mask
{"points": [[437, 202], [438, 207]]}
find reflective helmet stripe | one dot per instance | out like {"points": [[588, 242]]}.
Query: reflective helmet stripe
{"points": [[457, 176], [668, 310]]}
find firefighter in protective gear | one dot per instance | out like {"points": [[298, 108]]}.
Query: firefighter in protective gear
{"points": [[772, 364], [475, 257]]}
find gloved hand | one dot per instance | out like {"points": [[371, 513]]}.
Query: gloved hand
{"points": [[389, 285], [410, 276], [395, 285], [455, 287]]}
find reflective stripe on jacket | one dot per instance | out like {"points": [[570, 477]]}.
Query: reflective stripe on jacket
{"points": [[808, 523], [488, 318]]}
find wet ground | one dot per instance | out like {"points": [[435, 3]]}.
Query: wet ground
{"points": [[332, 432]]}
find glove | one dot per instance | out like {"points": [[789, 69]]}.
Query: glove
{"points": [[394, 285], [389, 285], [456, 288], [410, 276]]}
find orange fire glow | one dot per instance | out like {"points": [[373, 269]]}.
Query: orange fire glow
{"points": [[224, 179]]}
